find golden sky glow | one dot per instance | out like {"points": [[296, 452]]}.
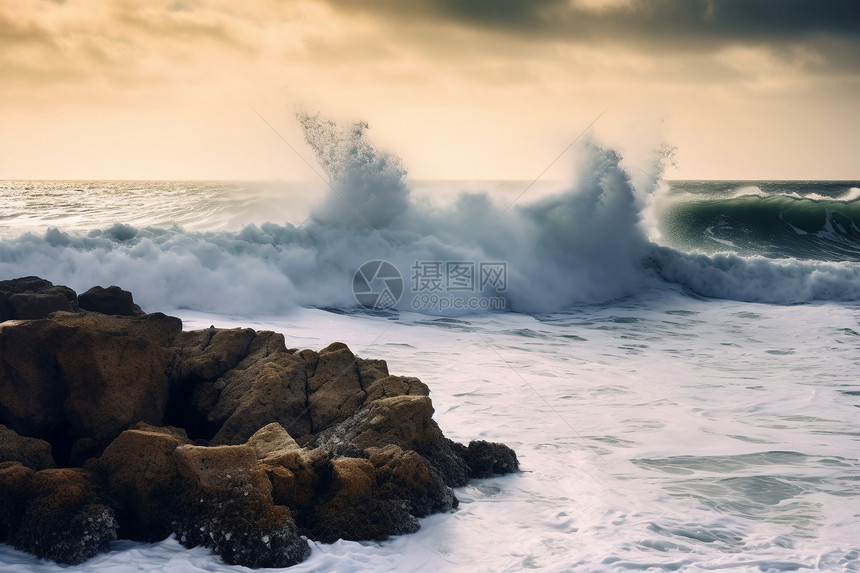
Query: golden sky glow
{"points": [[470, 89]]}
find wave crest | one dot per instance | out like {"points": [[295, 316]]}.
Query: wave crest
{"points": [[584, 244]]}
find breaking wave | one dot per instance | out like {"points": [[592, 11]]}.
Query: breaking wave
{"points": [[813, 227], [584, 244]]}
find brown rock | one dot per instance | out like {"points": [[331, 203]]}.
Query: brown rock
{"points": [[110, 300], [30, 383], [14, 493], [37, 305], [486, 459], [405, 475], [115, 372], [32, 297], [272, 440], [334, 390], [65, 519], [216, 468], [242, 533], [291, 469], [269, 385], [404, 421], [296, 476], [31, 452], [84, 376], [389, 386], [140, 471], [226, 504], [323, 443], [353, 479], [353, 508], [446, 458], [210, 353], [370, 370]]}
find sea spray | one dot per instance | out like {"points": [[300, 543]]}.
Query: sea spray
{"points": [[584, 244]]}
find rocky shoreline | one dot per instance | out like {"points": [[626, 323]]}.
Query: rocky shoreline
{"points": [[115, 423]]}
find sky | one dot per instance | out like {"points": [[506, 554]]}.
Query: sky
{"points": [[460, 89]]}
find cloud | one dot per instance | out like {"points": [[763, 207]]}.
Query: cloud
{"points": [[87, 42], [16, 33], [493, 72], [692, 23]]}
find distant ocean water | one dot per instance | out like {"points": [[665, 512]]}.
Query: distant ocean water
{"points": [[675, 363]]}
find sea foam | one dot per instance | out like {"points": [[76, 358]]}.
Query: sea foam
{"points": [[584, 244]]}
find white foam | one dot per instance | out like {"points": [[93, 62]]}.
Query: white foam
{"points": [[603, 424], [581, 245], [585, 244], [851, 195], [748, 191], [649, 435], [758, 279]]}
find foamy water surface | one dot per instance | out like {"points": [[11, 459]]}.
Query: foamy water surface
{"points": [[657, 434]]}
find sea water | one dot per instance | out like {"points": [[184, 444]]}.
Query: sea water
{"points": [[675, 364]]}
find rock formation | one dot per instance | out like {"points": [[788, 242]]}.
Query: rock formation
{"points": [[117, 423]]}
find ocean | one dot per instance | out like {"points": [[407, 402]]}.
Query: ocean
{"points": [[674, 362]]}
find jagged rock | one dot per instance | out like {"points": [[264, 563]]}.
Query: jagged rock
{"points": [[140, 472], [64, 518], [370, 370], [216, 468], [404, 421], [31, 452], [294, 472], [210, 353], [405, 475], [269, 385], [390, 386], [486, 459], [369, 518], [240, 532], [33, 297], [84, 377], [352, 478], [202, 357], [446, 457], [353, 508], [226, 504], [37, 305], [269, 443], [296, 476], [115, 373], [334, 390], [110, 300]]}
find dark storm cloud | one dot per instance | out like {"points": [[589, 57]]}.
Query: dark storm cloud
{"points": [[712, 22]]}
